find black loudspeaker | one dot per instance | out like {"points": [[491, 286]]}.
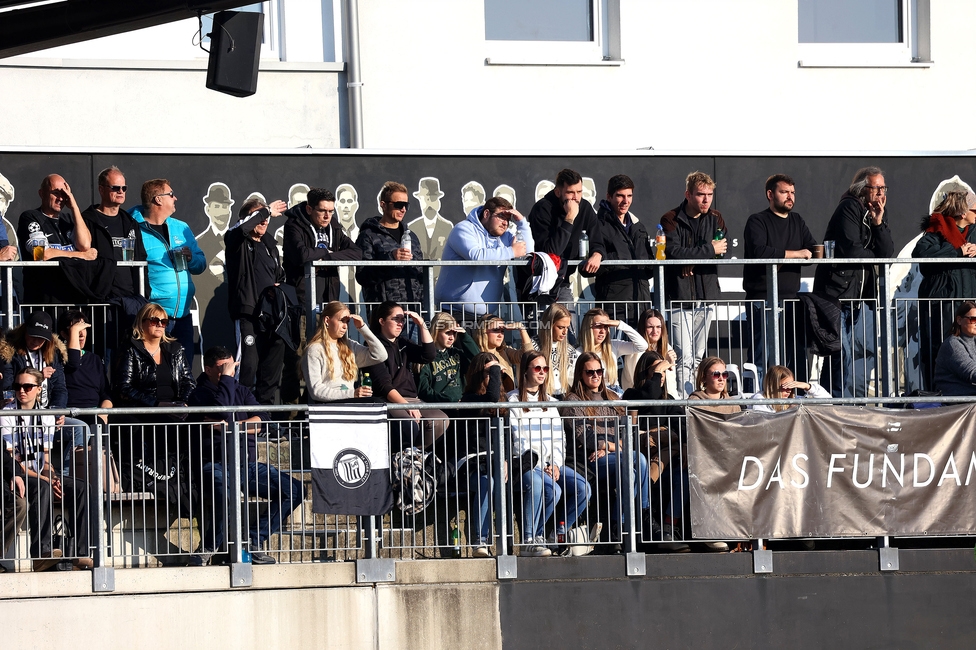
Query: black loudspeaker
{"points": [[235, 49]]}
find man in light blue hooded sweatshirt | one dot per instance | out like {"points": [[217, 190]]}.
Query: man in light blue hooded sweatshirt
{"points": [[484, 235]]}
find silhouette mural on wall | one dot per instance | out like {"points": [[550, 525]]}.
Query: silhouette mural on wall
{"points": [[347, 205], [431, 228], [211, 285], [472, 195], [543, 187]]}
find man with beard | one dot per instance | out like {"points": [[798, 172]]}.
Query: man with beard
{"points": [[775, 233]]}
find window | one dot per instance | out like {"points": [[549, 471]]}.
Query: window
{"points": [[552, 32], [862, 32]]}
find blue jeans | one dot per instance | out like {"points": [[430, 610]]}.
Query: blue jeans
{"points": [[479, 502], [852, 367], [540, 494], [283, 493], [607, 471]]}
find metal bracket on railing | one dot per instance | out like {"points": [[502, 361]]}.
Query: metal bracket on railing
{"points": [[378, 569], [762, 560], [507, 566], [887, 555], [636, 564]]}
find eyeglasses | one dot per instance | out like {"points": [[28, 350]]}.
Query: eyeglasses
{"points": [[786, 390], [593, 373], [400, 205], [170, 193], [971, 319], [883, 189], [401, 319], [539, 368], [118, 188], [599, 326], [25, 387], [496, 330], [724, 374], [156, 321]]}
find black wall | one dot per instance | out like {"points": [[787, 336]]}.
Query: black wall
{"points": [[659, 179]]}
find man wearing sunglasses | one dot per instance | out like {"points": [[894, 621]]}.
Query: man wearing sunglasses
{"points": [[484, 235], [173, 255], [382, 238], [115, 234], [58, 221]]}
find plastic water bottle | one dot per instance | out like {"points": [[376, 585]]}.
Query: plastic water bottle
{"points": [[660, 241], [584, 246], [405, 241]]}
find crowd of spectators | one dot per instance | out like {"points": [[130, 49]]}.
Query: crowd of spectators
{"points": [[558, 456]]}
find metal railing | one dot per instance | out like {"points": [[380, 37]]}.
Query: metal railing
{"points": [[162, 490]]}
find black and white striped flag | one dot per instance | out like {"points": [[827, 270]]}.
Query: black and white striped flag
{"points": [[350, 457]]}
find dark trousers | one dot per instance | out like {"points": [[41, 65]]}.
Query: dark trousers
{"points": [[262, 356], [73, 509], [13, 514]]}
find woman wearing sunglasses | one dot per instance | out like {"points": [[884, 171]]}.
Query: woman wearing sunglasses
{"points": [[443, 380], [29, 434], [331, 361], [490, 337], [955, 366], [597, 444], [152, 371], [539, 453], [712, 381], [779, 383], [553, 340], [393, 379], [595, 337]]}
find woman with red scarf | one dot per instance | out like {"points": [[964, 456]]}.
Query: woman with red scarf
{"points": [[949, 233]]}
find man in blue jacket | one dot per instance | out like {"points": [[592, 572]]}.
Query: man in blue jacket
{"points": [[216, 386], [483, 235], [173, 254]]}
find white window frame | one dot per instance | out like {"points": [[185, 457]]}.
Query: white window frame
{"points": [[603, 49], [911, 52]]}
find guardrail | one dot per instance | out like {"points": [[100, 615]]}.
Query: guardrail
{"points": [[497, 499]]}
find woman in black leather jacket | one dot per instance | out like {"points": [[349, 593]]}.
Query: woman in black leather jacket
{"points": [[156, 453], [152, 370]]}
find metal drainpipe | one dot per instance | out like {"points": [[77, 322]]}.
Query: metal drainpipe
{"points": [[354, 85]]}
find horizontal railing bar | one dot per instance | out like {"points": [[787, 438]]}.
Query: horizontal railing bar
{"points": [[669, 262]]}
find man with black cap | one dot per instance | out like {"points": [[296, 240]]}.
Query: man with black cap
{"points": [[253, 266]]}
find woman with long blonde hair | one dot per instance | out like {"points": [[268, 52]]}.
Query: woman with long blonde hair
{"points": [[490, 337], [595, 338], [780, 383], [332, 361], [552, 340]]}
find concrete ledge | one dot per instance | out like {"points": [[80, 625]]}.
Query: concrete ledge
{"points": [[49, 584], [445, 571], [317, 574]]}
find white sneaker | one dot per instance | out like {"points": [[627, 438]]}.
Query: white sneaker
{"points": [[482, 551], [537, 548], [717, 547]]}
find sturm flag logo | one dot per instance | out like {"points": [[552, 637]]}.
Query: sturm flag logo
{"points": [[351, 468]]}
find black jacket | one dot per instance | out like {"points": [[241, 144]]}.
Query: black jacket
{"points": [[853, 237], [552, 234], [227, 392], [402, 284], [102, 242], [243, 294], [623, 282], [135, 376], [300, 247], [395, 373], [695, 281]]}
